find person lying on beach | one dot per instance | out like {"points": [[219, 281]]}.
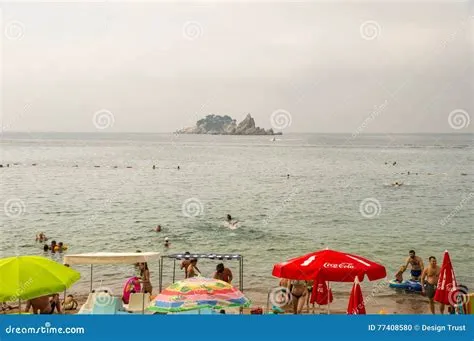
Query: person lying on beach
{"points": [[416, 265], [223, 273], [70, 303], [44, 304], [193, 270]]}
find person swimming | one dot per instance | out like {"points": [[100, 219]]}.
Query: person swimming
{"points": [[229, 218], [167, 242], [158, 228]]}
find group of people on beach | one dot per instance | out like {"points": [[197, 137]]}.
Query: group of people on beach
{"points": [[427, 276], [191, 270]]}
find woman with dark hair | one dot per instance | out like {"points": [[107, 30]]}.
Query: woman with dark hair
{"points": [[145, 278]]}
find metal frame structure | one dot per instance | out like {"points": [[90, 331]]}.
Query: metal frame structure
{"points": [[211, 256]]}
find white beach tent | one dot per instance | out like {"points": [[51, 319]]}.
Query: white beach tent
{"points": [[110, 258]]}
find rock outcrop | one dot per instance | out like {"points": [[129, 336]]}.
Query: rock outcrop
{"points": [[225, 125]]}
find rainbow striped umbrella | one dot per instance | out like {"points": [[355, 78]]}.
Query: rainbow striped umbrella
{"points": [[198, 293]]}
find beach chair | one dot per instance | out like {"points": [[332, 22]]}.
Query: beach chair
{"points": [[110, 307], [138, 302], [87, 307]]}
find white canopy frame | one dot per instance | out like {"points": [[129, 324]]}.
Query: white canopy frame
{"points": [[111, 258]]}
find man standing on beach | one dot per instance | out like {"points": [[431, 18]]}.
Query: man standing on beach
{"points": [[416, 265], [223, 273], [429, 288]]}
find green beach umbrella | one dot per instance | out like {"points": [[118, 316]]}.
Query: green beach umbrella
{"points": [[27, 277]]}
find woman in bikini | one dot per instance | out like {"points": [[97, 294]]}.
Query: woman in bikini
{"points": [[299, 292], [145, 278]]}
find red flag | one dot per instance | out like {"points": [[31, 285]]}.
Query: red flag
{"points": [[356, 301], [447, 288], [321, 293]]}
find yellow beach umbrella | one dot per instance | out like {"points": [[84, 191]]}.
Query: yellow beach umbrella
{"points": [[27, 277]]}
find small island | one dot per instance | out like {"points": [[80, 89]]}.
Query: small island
{"points": [[226, 125]]}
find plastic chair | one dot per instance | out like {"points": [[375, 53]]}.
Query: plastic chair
{"points": [[107, 308], [138, 302]]}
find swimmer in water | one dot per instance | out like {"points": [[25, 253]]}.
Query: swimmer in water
{"points": [[167, 242], [229, 218], [154, 167], [158, 228], [178, 168], [287, 176]]}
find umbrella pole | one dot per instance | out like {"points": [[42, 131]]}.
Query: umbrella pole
{"points": [[91, 277], [19, 306], [329, 290], [174, 269], [161, 274]]}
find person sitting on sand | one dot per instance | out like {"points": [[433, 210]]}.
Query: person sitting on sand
{"points": [[185, 263], [44, 304], [428, 288], [193, 270], [223, 273], [70, 303], [416, 265]]}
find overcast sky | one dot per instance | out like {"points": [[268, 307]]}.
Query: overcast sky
{"points": [[156, 67]]}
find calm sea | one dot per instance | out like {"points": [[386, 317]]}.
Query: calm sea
{"points": [[338, 195]]}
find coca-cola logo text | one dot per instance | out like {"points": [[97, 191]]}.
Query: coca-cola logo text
{"points": [[339, 266]]}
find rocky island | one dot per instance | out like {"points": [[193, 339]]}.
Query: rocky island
{"points": [[226, 125]]}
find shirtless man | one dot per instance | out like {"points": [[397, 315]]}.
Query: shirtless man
{"points": [[185, 263], [416, 265], [429, 288], [44, 304], [193, 270]]}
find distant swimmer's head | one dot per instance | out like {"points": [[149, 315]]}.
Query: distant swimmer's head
{"points": [[229, 217], [45, 247], [166, 239]]}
